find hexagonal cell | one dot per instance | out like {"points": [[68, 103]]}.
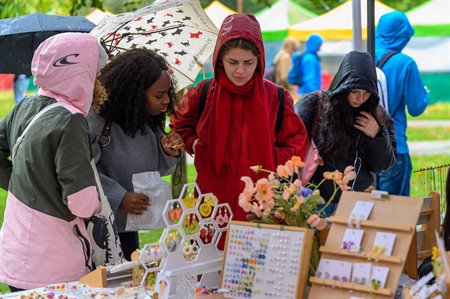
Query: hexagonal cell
{"points": [[190, 198], [151, 256], [190, 192], [149, 280], [190, 223], [207, 233], [222, 216], [173, 212], [191, 249], [171, 239], [206, 205]]}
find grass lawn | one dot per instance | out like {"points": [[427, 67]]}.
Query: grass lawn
{"points": [[439, 111]]}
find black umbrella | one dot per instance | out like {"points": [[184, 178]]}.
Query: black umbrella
{"points": [[20, 37]]}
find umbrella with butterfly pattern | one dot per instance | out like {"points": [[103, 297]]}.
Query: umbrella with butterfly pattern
{"points": [[179, 30]]}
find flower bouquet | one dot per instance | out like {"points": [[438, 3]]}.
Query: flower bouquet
{"points": [[282, 199]]}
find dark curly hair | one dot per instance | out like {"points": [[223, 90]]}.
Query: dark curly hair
{"points": [[336, 125], [126, 78]]}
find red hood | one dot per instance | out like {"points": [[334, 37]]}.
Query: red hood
{"points": [[240, 26]]}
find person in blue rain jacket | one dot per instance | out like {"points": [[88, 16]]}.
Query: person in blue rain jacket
{"points": [[405, 90]]}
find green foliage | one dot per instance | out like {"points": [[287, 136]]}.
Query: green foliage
{"points": [[440, 110], [427, 133], [14, 8]]}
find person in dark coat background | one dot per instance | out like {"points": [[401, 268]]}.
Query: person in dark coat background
{"points": [[351, 129]]}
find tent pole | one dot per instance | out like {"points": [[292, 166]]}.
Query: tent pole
{"points": [[371, 27], [240, 6], [356, 19]]}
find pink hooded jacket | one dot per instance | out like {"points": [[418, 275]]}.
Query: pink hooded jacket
{"points": [[52, 187]]}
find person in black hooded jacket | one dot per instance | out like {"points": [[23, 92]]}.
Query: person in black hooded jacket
{"points": [[351, 128]]}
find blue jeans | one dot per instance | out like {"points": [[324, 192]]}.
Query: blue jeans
{"points": [[396, 180], [20, 87]]}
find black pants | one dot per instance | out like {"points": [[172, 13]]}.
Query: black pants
{"points": [[129, 242], [14, 289]]}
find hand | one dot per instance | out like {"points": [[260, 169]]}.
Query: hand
{"points": [[366, 123], [193, 145], [135, 203], [172, 144]]}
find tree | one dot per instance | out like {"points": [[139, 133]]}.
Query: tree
{"points": [[14, 8]]}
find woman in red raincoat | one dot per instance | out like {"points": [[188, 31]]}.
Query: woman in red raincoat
{"points": [[236, 128]]}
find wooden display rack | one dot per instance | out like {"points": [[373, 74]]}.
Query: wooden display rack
{"points": [[397, 214], [271, 260]]}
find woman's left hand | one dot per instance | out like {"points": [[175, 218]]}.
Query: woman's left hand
{"points": [[366, 123], [172, 144]]}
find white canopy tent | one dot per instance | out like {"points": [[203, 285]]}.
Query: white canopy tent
{"points": [[336, 24], [217, 12]]}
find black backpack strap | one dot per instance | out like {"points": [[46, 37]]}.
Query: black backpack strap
{"points": [[203, 94], [280, 113], [385, 58]]}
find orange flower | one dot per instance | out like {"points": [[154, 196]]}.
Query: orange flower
{"points": [[335, 175], [298, 161]]}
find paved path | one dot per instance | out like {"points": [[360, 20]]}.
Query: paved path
{"points": [[429, 123], [426, 148]]}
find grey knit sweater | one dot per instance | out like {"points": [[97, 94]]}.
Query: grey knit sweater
{"points": [[123, 157]]}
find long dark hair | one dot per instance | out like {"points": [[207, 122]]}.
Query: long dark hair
{"points": [[336, 125], [126, 78]]}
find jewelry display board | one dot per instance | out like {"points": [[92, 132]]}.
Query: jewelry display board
{"points": [[391, 218], [265, 261]]}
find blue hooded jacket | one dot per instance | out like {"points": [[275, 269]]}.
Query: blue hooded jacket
{"points": [[405, 87], [310, 65]]}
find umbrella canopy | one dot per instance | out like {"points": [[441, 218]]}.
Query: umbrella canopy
{"points": [[217, 12], [20, 37], [432, 18], [179, 30], [336, 24], [275, 21]]}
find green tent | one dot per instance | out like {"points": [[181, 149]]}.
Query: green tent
{"points": [[431, 18], [275, 20]]}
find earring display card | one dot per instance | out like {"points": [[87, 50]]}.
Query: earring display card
{"points": [[362, 210], [263, 261], [385, 241], [380, 274], [352, 239], [361, 273]]}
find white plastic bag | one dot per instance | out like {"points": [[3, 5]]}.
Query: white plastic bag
{"points": [[159, 192]]}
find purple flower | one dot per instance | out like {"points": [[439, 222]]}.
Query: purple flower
{"points": [[305, 192]]}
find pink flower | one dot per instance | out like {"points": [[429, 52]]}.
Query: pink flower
{"points": [[289, 191], [278, 215], [263, 190], [249, 187], [245, 202], [282, 172], [256, 168]]}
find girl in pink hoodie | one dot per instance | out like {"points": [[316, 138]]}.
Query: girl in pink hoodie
{"points": [[50, 182]]}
